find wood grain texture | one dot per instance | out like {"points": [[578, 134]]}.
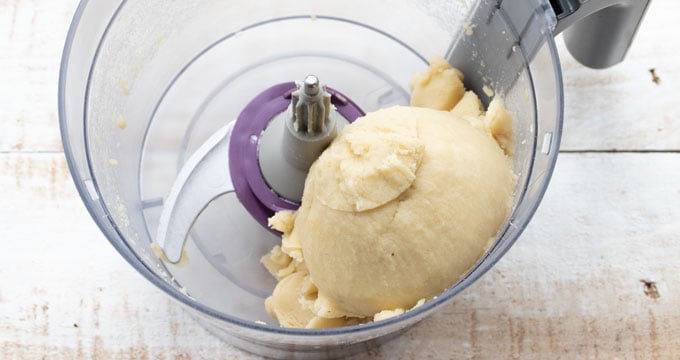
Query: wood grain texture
{"points": [[65, 293], [621, 108], [595, 274], [32, 36], [572, 287]]}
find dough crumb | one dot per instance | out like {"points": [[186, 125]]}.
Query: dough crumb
{"points": [[121, 123], [159, 253], [386, 314], [488, 91], [439, 87], [124, 87], [469, 28], [282, 221], [469, 105], [498, 122]]}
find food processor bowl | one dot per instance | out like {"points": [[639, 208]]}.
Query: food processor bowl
{"points": [[144, 83]]}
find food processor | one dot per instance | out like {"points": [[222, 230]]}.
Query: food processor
{"points": [[187, 124]]}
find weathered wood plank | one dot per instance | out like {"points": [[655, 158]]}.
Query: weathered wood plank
{"points": [[32, 36], [621, 107], [618, 108], [65, 293], [571, 287]]}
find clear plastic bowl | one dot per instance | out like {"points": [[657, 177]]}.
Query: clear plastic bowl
{"points": [[144, 83]]}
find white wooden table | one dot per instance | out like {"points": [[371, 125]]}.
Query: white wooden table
{"points": [[596, 274]]}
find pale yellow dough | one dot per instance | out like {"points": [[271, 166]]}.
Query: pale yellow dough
{"points": [[440, 87], [397, 209]]}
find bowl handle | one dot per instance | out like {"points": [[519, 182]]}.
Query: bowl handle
{"points": [[598, 33]]}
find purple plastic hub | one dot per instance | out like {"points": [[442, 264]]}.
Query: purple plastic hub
{"points": [[251, 188]]}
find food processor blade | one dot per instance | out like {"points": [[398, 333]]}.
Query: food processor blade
{"points": [[204, 177], [265, 162]]}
